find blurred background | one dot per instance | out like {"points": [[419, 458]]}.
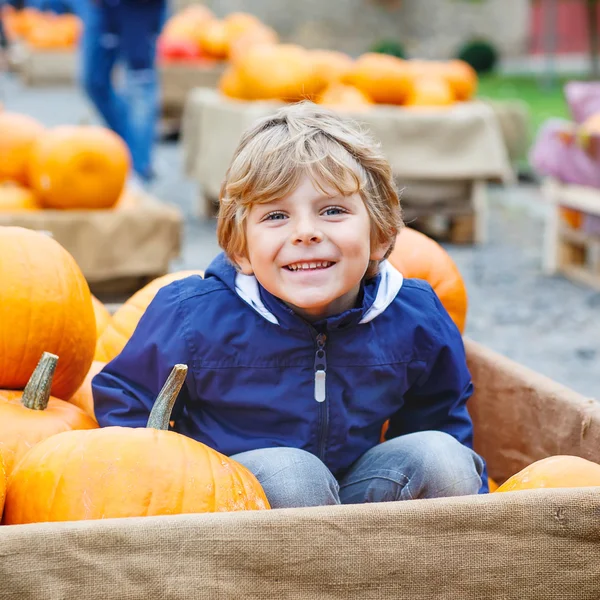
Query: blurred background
{"points": [[488, 111]]}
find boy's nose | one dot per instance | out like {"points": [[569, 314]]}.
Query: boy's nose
{"points": [[307, 235]]}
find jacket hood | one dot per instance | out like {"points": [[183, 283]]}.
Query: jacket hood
{"points": [[376, 295]]}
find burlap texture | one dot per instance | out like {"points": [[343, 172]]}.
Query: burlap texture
{"points": [[177, 80], [112, 244], [521, 546], [536, 545], [463, 142]]}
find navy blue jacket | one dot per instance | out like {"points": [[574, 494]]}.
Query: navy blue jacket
{"points": [[260, 376]]}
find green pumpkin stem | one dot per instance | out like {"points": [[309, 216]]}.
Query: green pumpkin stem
{"points": [[37, 391], [160, 415]]}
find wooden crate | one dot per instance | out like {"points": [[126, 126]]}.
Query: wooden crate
{"points": [[572, 232]]}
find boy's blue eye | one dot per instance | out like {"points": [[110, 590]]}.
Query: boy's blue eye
{"points": [[274, 216], [333, 211]]}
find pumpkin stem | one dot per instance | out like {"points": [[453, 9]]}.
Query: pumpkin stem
{"points": [[160, 414], [37, 391]]}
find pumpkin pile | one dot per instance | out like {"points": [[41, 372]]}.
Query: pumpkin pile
{"points": [[48, 336], [42, 30], [195, 34], [289, 73], [64, 167]]}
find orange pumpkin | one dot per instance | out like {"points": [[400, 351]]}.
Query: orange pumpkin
{"points": [[83, 167], [101, 315], [330, 66], [260, 35], [45, 305], [277, 72], [492, 485], [80, 475], [14, 197], [230, 85], [186, 24], [18, 134], [83, 398], [344, 97], [416, 255], [214, 40], [32, 415], [560, 471], [462, 78], [238, 23], [125, 320], [427, 91], [386, 79]]}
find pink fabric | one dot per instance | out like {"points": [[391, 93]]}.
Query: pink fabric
{"points": [[554, 156], [583, 98]]}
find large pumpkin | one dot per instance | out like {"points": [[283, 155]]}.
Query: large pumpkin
{"points": [[344, 97], [213, 39], [18, 134], [15, 197], [386, 79], [128, 472], [462, 78], [416, 255], [45, 305], [560, 471], [32, 415], [330, 66], [429, 90], [83, 397], [79, 167], [125, 320]]}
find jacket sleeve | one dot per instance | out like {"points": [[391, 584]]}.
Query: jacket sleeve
{"points": [[125, 390], [437, 399]]}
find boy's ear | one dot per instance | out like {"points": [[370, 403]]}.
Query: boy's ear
{"points": [[244, 264], [379, 250]]}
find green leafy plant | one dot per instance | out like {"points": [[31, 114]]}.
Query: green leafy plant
{"points": [[389, 46], [480, 54]]}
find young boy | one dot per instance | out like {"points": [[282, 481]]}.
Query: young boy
{"points": [[302, 340]]}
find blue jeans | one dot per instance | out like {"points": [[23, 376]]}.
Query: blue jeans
{"points": [[427, 464], [124, 31]]}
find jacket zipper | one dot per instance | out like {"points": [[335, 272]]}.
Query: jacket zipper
{"points": [[321, 391]]}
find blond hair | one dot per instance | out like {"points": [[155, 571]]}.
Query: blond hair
{"points": [[302, 139]]}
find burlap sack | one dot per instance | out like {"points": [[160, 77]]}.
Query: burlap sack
{"points": [[461, 143], [116, 250]]}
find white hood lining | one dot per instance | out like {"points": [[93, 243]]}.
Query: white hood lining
{"points": [[246, 288]]}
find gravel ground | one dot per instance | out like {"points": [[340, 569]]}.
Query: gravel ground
{"points": [[546, 323]]}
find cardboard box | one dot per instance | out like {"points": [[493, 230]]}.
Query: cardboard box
{"points": [[48, 67], [540, 544]]}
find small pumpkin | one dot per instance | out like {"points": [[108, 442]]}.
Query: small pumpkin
{"points": [[277, 72], [81, 475], [83, 397], [561, 471], [330, 66], [79, 167], [344, 97], [125, 320], [214, 40], [462, 78], [492, 485], [230, 85], [386, 79], [101, 315], [17, 139], [416, 255], [14, 197], [428, 91], [256, 36], [32, 415]]}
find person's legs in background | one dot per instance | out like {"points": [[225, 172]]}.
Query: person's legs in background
{"points": [[139, 25], [99, 54]]}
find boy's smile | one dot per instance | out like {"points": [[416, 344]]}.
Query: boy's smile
{"points": [[310, 249]]}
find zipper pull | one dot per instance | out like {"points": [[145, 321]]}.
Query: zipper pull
{"points": [[320, 368]]}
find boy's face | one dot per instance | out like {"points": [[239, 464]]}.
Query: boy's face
{"points": [[310, 250]]}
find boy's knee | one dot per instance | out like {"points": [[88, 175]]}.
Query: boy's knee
{"points": [[291, 477]]}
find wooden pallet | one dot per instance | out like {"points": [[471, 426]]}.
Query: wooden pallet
{"points": [[572, 232]]}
